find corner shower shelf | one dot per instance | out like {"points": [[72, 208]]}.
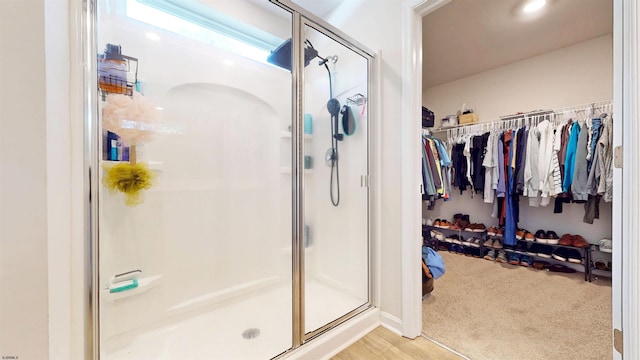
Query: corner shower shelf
{"points": [[287, 134], [144, 284], [287, 170]]}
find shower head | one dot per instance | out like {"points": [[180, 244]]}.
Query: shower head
{"points": [[333, 106], [281, 56]]}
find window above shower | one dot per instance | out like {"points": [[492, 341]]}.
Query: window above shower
{"points": [[214, 23]]}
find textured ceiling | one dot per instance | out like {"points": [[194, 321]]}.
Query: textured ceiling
{"points": [[466, 37]]}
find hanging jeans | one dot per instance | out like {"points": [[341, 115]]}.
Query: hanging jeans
{"points": [[596, 126]]}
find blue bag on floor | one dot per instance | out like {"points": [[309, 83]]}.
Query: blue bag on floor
{"points": [[434, 261]]}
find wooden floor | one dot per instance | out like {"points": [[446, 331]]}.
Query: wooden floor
{"points": [[384, 344]]}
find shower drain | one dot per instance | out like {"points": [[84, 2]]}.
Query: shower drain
{"points": [[251, 333]]}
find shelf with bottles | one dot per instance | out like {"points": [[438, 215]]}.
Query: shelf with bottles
{"points": [[117, 73]]}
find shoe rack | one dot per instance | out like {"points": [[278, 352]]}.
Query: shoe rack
{"points": [[524, 247]]}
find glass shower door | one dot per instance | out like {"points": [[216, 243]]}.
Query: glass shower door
{"points": [[336, 236], [196, 263]]}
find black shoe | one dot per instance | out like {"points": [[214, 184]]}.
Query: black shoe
{"points": [[560, 254], [466, 218], [574, 256], [545, 251]]}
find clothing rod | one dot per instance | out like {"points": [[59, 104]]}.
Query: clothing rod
{"points": [[522, 119]]}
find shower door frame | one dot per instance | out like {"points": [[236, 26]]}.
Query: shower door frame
{"points": [[302, 18]]}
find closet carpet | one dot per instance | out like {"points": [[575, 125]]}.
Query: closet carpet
{"points": [[491, 311]]}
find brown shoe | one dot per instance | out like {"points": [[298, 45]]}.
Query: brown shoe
{"points": [[479, 228], [500, 232], [579, 241], [520, 234], [491, 231], [529, 237], [566, 240]]}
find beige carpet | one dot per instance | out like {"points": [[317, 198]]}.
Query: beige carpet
{"points": [[491, 311]]}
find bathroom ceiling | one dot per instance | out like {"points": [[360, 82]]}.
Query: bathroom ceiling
{"points": [[466, 37]]}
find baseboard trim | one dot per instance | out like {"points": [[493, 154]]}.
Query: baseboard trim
{"points": [[339, 338], [391, 323]]}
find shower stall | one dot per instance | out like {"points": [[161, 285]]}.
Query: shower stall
{"points": [[228, 147]]}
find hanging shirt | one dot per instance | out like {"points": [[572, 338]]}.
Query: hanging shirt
{"points": [[531, 177], [570, 159]]}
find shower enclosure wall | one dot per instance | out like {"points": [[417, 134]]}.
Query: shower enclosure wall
{"points": [[236, 248]]}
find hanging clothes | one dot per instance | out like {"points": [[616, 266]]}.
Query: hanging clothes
{"points": [[570, 159]]}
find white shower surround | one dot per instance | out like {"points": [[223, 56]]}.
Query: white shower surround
{"points": [[229, 250]]}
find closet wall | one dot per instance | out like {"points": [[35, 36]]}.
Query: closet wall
{"points": [[573, 75]]}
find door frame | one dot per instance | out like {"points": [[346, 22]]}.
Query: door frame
{"points": [[626, 210]]}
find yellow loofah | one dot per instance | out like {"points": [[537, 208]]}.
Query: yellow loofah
{"points": [[130, 180]]}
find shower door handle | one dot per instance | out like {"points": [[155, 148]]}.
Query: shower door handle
{"points": [[364, 181]]}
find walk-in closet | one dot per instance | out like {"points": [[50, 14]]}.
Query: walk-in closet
{"points": [[517, 185]]}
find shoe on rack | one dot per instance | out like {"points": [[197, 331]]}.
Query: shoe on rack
{"points": [[479, 228], [600, 264], [465, 217], [574, 256], [560, 254], [502, 257], [526, 261], [429, 222], [500, 232], [552, 238], [580, 242], [529, 237], [520, 234], [566, 240], [605, 245], [436, 223], [521, 248], [545, 251], [445, 224], [453, 248], [560, 268], [496, 244], [457, 217], [514, 259], [491, 231], [533, 250], [540, 265], [455, 226], [541, 236], [491, 255], [488, 243], [460, 250], [467, 241], [474, 242], [456, 239]]}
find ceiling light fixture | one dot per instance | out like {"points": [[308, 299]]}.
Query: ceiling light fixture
{"points": [[533, 6]]}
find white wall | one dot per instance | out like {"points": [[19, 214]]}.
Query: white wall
{"points": [[573, 75], [24, 306], [570, 76]]}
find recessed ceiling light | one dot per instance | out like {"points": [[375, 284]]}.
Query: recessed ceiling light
{"points": [[533, 6], [159, 108], [152, 36]]}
